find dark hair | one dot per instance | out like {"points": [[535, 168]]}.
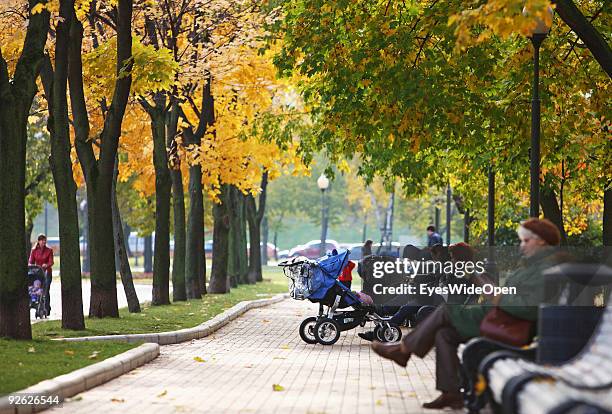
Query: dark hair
{"points": [[431, 228], [41, 237], [369, 241], [411, 252]]}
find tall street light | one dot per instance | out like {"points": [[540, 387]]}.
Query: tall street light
{"points": [[537, 36], [323, 184]]}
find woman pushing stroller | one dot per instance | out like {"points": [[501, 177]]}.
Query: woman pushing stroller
{"points": [[42, 256]]}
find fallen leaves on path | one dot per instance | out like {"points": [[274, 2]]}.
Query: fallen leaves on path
{"points": [[198, 359], [117, 400], [163, 393], [277, 387]]}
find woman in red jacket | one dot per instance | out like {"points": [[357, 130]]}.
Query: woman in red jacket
{"points": [[42, 256]]}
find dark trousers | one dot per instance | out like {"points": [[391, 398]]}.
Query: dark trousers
{"points": [[403, 313], [437, 330]]}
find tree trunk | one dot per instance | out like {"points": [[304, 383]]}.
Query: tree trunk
{"points": [[255, 217], [120, 245], [550, 208], [202, 256], [55, 84], [161, 263], [179, 292], [607, 216], [99, 170], [265, 231], [238, 260], [16, 96], [254, 238], [28, 238], [148, 254], [219, 278], [195, 219]]}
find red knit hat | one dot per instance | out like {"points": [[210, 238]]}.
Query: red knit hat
{"points": [[544, 229]]}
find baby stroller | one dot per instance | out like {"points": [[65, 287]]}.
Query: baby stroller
{"points": [[39, 303], [316, 280]]}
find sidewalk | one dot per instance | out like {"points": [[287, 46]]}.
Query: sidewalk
{"points": [[235, 369]]}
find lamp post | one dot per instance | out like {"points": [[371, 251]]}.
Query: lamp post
{"points": [[323, 184], [537, 36]]}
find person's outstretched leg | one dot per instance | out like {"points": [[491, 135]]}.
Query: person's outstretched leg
{"points": [[447, 368]]}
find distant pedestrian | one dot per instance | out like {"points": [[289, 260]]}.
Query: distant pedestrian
{"points": [[433, 238], [366, 249]]}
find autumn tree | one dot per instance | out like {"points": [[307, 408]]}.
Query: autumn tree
{"points": [[98, 169], [17, 90]]}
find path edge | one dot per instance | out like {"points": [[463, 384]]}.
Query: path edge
{"points": [[75, 382], [187, 334]]}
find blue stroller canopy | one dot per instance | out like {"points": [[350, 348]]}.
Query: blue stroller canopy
{"points": [[326, 271], [312, 279]]}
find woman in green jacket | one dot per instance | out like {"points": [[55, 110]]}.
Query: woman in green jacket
{"points": [[448, 326]]}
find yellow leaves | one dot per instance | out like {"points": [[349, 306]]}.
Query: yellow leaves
{"points": [[500, 17], [198, 359], [277, 387]]}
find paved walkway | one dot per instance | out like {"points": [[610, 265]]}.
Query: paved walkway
{"points": [[235, 369]]}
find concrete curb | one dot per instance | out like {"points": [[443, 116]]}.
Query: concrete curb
{"points": [[183, 335], [75, 382]]}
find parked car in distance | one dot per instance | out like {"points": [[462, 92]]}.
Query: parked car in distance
{"points": [[283, 254], [312, 249]]}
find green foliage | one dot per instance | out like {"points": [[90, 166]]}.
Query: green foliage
{"points": [[39, 179], [384, 81]]}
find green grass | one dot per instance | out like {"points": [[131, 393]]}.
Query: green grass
{"points": [[25, 363], [172, 317]]}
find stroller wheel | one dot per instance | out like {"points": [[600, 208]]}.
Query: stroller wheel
{"points": [[327, 331], [307, 330], [391, 333]]}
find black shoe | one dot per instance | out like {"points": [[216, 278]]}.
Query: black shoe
{"points": [[368, 336]]}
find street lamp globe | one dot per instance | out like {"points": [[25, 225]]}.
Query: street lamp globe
{"points": [[542, 26], [323, 182]]}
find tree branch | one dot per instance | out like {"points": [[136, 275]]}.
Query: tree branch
{"points": [[599, 47], [28, 65], [112, 123], [77, 99]]}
